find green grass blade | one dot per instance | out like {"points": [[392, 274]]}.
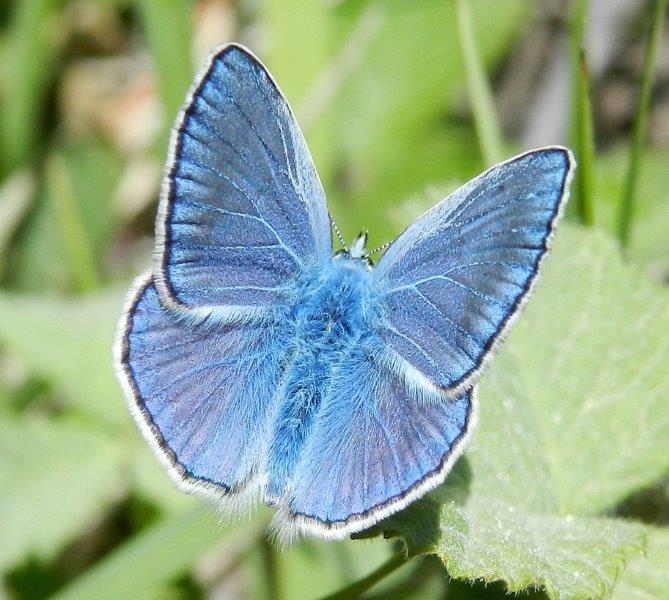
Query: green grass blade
{"points": [[168, 27], [640, 125], [582, 125], [480, 95], [30, 53], [16, 199], [585, 144]]}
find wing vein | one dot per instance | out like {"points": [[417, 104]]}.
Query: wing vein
{"points": [[263, 220], [447, 318], [417, 346]]}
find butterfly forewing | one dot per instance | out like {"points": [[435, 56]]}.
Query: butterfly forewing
{"points": [[242, 211], [455, 279]]}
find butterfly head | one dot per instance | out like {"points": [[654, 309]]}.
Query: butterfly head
{"points": [[359, 246], [358, 250]]}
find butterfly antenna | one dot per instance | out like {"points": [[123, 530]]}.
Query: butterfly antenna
{"points": [[339, 235], [378, 249]]}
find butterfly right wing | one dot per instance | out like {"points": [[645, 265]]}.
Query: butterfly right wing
{"points": [[401, 405], [199, 392]]}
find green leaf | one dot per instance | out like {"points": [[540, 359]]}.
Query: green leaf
{"points": [[39, 258], [69, 341], [647, 577], [489, 539], [573, 420], [287, 39], [57, 478], [588, 359], [73, 234], [91, 172], [160, 554]]}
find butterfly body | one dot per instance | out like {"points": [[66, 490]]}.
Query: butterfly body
{"points": [[254, 359], [335, 307]]}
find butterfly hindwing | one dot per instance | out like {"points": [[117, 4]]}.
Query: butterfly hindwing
{"points": [[454, 280], [200, 392], [242, 210], [378, 444]]}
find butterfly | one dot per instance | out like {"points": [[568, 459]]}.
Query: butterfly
{"points": [[259, 364]]}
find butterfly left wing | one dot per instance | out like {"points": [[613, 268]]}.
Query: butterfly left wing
{"points": [[453, 282], [379, 443], [242, 211]]}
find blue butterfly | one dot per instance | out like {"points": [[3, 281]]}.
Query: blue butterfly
{"points": [[258, 364]]}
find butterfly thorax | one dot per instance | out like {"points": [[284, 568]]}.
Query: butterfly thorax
{"points": [[335, 310]]}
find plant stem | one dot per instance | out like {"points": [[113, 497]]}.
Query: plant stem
{"points": [[640, 125], [73, 232], [480, 95], [268, 554], [356, 588], [583, 130]]}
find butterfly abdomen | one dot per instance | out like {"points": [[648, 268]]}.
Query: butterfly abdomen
{"points": [[332, 312]]}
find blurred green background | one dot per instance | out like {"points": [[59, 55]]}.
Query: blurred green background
{"points": [[392, 104]]}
